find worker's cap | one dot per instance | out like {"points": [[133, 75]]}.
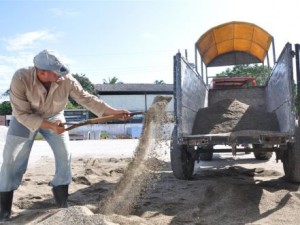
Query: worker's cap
{"points": [[46, 60]]}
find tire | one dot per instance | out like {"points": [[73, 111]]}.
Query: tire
{"points": [[182, 162], [291, 160], [207, 156], [259, 154]]}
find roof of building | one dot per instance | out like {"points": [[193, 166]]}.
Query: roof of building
{"points": [[134, 88]]}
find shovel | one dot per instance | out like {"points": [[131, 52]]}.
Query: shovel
{"points": [[103, 119]]}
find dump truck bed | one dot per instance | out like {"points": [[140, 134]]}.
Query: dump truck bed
{"points": [[193, 94], [259, 119]]}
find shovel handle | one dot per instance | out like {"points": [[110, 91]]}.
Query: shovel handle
{"points": [[103, 119]]}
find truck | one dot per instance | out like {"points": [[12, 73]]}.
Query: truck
{"points": [[229, 44]]}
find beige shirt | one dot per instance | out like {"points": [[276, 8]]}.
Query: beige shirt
{"points": [[31, 103]]}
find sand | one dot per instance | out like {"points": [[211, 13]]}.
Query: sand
{"points": [[228, 190], [231, 115]]}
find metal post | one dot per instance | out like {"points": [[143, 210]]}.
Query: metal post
{"points": [[196, 63], [297, 49], [206, 75], [186, 55], [274, 55], [202, 70]]}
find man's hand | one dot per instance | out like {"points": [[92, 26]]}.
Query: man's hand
{"points": [[124, 114], [55, 126], [59, 127]]}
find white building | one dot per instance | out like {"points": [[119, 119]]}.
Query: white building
{"points": [[133, 97]]}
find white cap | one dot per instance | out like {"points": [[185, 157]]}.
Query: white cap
{"points": [[46, 60]]}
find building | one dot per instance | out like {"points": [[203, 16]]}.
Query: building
{"points": [[76, 115], [134, 97]]}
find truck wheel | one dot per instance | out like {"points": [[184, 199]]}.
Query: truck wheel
{"points": [[291, 159], [261, 155], [182, 162], [207, 156]]}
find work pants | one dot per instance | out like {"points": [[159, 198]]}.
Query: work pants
{"points": [[17, 149]]}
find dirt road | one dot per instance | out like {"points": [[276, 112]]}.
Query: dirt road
{"points": [[226, 190]]}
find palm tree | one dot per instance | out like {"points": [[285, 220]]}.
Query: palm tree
{"points": [[113, 80], [159, 82]]}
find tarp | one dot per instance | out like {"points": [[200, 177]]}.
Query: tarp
{"points": [[234, 43]]}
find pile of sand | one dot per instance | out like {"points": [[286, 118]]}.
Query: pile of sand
{"points": [[231, 115]]}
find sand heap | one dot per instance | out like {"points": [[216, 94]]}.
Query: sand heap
{"points": [[231, 115], [141, 171]]}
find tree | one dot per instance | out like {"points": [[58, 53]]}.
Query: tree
{"points": [[6, 93], [70, 105], [5, 108], [255, 71], [86, 84], [113, 80], [159, 82]]}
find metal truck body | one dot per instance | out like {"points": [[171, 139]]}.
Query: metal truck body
{"points": [[192, 93]]}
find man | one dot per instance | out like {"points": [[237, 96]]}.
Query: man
{"points": [[38, 97]]}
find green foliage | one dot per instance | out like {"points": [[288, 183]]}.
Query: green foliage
{"points": [[5, 108], [70, 106], [86, 84], [6, 93], [113, 80], [39, 137], [255, 71], [159, 82]]}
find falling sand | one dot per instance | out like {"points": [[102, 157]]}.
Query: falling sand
{"points": [[141, 171]]}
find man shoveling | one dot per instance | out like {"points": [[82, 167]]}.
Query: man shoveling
{"points": [[38, 97]]}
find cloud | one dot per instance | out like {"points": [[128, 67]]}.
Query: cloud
{"points": [[150, 36], [9, 64], [59, 12], [28, 40]]}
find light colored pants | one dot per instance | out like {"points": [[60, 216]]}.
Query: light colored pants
{"points": [[17, 149]]}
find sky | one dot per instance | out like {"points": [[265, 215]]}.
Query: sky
{"points": [[134, 41]]}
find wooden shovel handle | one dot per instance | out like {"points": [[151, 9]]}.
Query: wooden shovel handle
{"points": [[103, 119]]}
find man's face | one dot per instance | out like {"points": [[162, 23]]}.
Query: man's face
{"points": [[48, 76]]}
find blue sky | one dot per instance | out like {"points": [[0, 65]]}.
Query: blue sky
{"points": [[132, 40]]}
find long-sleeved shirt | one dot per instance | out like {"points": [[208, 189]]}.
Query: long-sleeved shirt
{"points": [[32, 103]]}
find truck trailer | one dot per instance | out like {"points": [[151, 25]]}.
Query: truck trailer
{"points": [[255, 118]]}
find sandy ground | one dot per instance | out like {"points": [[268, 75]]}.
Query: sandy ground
{"points": [[228, 190]]}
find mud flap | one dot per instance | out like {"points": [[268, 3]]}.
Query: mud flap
{"points": [[291, 159]]}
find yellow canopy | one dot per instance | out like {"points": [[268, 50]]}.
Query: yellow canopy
{"points": [[234, 43]]}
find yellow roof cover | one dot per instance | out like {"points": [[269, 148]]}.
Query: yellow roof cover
{"points": [[234, 43]]}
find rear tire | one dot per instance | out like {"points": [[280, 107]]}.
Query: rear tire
{"points": [[182, 162], [291, 160]]}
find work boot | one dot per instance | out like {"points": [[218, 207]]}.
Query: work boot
{"points": [[61, 195], [5, 204]]}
